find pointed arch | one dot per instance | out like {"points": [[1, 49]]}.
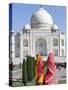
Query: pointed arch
{"points": [[25, 43], [41, 46], [55, 42]]}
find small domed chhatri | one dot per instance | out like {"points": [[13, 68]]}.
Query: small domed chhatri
{"points": [[27, 27], [55, 27], [42, 17]]}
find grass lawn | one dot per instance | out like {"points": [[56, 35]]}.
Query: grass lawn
{"points": [[62, 82], [19, 83]]}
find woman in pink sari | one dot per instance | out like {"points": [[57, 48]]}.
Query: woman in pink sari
{"points": [[51, 68]]}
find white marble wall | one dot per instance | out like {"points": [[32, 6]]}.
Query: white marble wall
{"points": [[33, 35]]}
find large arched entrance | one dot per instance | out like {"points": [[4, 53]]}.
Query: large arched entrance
{"points": [[41, 47]]}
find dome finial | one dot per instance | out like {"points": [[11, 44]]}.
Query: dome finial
{"points": [[41, 4]]}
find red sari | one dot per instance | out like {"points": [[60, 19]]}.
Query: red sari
{"points": [[50, 73], [39, 70]]}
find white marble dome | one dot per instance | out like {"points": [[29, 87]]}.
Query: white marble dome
{"points": [[27, 26], [55, 27], [41, 17]]}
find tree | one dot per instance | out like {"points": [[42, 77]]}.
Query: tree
{"points": [[30, 69], [34, 65], [24, 72]]}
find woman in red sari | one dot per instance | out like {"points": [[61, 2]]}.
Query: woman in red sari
{"points": [[39, 70], [51, 68]]}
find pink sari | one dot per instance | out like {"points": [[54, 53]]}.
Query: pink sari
{"points": [[50, 73]]}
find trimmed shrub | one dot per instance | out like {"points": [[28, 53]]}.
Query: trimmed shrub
{"points": [[24, 72], [30, 68], [34, 65]]}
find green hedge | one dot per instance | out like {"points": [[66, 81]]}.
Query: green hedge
{"points": [[24, 72], [30, 67], [34, 66]]}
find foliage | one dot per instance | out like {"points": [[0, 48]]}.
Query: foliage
{"points": [[30, 68], [24, 72]]}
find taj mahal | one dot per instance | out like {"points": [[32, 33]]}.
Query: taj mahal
{"points": [[41, 36]]}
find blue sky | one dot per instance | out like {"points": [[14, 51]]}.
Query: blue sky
{"points": [[21, 14]]}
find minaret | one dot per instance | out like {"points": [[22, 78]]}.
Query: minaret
{"points": [[21, 46], [11, 47]]}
